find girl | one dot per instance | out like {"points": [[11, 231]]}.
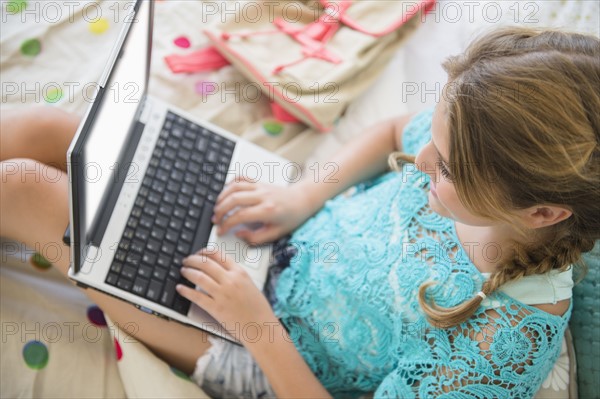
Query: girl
{"points": [[450, 277]]}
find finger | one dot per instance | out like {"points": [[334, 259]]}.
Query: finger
{"points": [[199, 298], [263, 235], [240, 198], [201, 279], [206, 264], [234, 186], [245, 215]]}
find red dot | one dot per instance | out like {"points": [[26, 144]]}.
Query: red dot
{"points": [[182, 42], [118, 350]]}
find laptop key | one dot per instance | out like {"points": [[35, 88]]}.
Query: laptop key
{"points": [[204, 228], [163, 261], [142, 234], [146, 221], [159, 273], [168, 294], [153, 246], [195, 213], [159, 234], [187, 236], [171, 236], [124, 284], [149, 258], [179, 212], [175, 224], [137, 246], [128, 272], [154, 290], [174, 273], [190, 224], [174, 186], [139, 286], [183, 248], [181, 305], [116, 267], [145, 271], [168, 248], [112, 278], [121, 255], [162, 221]]}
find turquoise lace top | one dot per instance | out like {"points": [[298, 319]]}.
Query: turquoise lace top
{"points": [[349, 300]]}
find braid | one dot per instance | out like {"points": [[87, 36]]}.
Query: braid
{"points": [[559, 254]]}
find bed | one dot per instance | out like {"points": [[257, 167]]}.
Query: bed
{"points": [[55, 342]]}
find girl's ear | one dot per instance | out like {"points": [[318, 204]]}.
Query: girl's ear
{"points": [[539, 216]]}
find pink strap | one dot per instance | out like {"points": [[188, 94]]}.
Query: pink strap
{"points": [[411, 10], [207, 59]]}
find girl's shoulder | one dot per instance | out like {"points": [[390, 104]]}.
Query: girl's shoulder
{"points": [[550, 292], [417, 132]]}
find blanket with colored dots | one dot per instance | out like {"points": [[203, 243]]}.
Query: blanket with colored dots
{"points": [[52, 52]]}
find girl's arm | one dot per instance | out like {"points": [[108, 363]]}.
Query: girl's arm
{"points": [[363, 158], [280, 210]]}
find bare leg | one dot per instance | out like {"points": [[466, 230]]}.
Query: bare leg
{"points": [[34, 210], [40, 133]]}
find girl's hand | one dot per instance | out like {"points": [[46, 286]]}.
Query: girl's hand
{"points": [[229, 296], [279, 210]]}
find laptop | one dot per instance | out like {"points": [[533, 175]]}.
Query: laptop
{"points": [[143, 180]]}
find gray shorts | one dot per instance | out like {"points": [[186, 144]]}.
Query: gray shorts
{"points": [[228, 370]]}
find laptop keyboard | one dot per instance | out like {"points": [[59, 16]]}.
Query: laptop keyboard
{"points": [[171, 215]]}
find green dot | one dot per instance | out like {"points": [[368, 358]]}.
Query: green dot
{"points": [[40, 262], [273, 128], [180, 374], [15, 6], [35, 354], [53, 95], [31, 47]]}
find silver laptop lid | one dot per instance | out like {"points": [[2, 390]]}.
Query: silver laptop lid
{"points": [[99, 158]]}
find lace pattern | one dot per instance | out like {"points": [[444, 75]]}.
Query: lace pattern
{"points": [[349, 300]]}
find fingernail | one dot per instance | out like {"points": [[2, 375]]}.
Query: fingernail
{"points": [[179, 287], [213, 219]]}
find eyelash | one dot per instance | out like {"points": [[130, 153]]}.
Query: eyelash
{"points": [[443, 170]]}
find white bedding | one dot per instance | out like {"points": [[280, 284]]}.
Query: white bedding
{"points": [[72, 58]]}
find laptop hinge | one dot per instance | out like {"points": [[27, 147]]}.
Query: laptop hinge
{"points": [[146, 109]]}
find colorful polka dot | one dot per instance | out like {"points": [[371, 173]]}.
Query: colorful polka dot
{"points": [[96, 316], [31, 47], [99, 26], [35, 355], [15, 6], [204, 87], [40, 262], [53, 95], [182, 42], [273, 128], [180, 374], [118, 350]]}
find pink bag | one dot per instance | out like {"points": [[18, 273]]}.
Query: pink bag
{"points": [[314, 63]]}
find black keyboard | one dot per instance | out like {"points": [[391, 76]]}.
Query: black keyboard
{"points": [[171, 217]]}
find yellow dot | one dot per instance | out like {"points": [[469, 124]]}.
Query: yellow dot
{"points": [[99, 26]]}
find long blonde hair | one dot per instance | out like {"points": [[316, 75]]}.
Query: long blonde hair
{"points": [[524, 107]]}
